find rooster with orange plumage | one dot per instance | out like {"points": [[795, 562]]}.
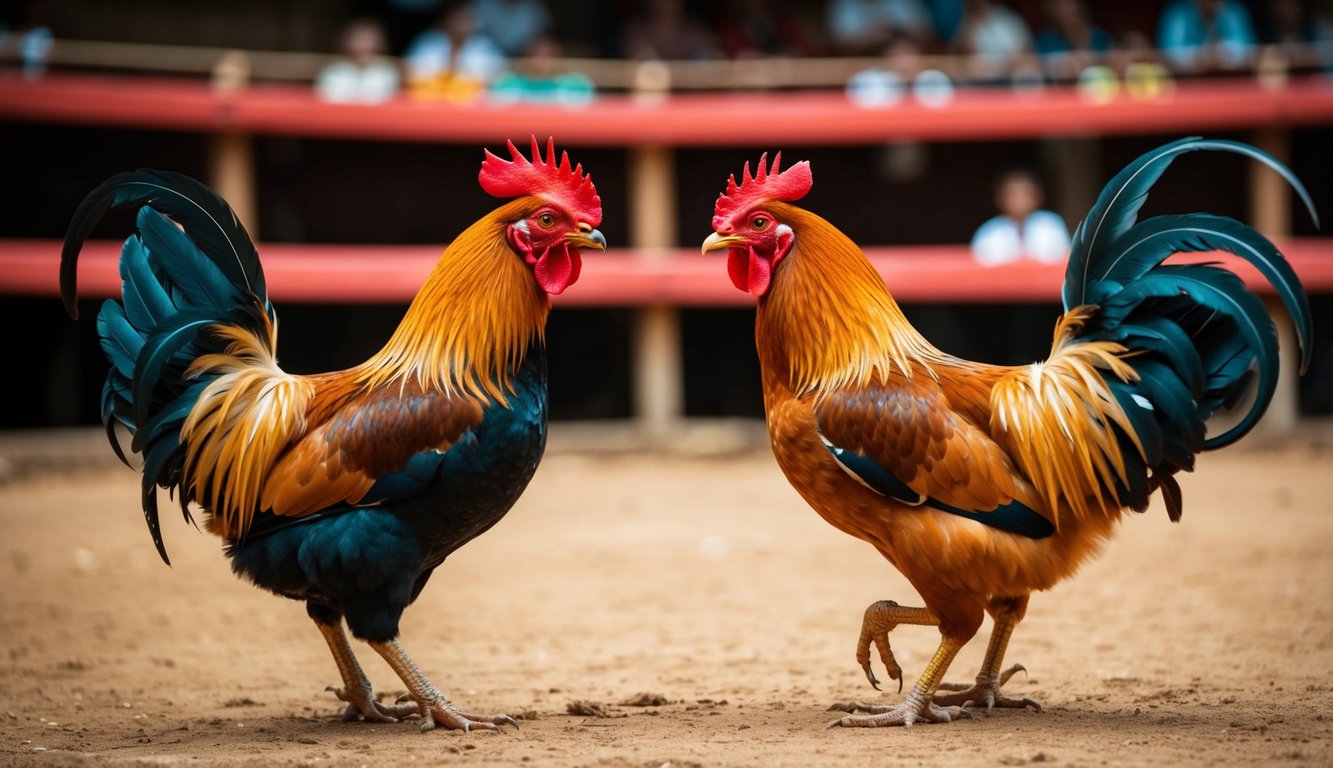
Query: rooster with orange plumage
{"points": [[984, 483]]}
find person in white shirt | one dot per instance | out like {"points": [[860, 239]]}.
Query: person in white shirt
{"points": [[1021, 229], [364, 74]]}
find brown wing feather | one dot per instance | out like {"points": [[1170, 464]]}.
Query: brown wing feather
{"points": [[910, 428], [362, 439]]}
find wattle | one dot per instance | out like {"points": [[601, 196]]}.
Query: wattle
{"points": [[557, 269], [749, 271]]}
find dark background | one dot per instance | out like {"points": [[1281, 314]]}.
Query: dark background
{"points": [[322, 191]]}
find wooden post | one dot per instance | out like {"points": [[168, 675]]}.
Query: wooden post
{"points": [[658, 378], [231, 161], [231, 173], [1074, 163], [1270, 213]]}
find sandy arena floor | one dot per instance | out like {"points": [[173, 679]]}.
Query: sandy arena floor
{"points": [[704, 582]]}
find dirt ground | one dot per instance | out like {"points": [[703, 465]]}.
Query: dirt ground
{"points": [[701, 580]]}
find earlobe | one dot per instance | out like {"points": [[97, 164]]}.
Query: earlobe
{"points": [[517, 234], [785, 237]]}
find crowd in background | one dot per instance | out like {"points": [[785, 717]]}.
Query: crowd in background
{"points": [[462, 49], [514, 50]]}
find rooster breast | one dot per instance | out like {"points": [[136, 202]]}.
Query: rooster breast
{"points": [[370, 561]]}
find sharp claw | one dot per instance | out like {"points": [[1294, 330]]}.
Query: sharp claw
{"points": [[1015, 669], [874, 681], [900, 682], [507, 720]]}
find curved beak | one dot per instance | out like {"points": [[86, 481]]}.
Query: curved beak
{"points": [[587, 238], [717, 242]]}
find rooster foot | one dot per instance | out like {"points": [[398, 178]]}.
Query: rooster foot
{"points": [[362, 705], [881, 617], [985, 692], [437, 711], [912, 711], [431, 706]]}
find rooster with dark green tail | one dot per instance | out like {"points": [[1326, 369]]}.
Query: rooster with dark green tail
{"points": [[345, 490], [985, 483]]}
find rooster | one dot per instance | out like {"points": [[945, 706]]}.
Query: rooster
{"points": [[344, 490], [984, 483]]}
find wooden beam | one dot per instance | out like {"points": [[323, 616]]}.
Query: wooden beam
{"points": [[231, 157], [1270, 213], [231, 173], [659, 371]]}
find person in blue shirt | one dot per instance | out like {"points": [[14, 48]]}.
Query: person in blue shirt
{"points": [[513, 25], [1206, 36]]}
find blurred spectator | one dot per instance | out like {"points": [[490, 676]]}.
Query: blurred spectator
{"points": [[364, 74], [751, 28], [1139, 65], [28, 44], [667, 32], [540, 80], [452, 60], [945, 17], [1301, 32], [1021, 229], [1069, 42], [865, 27], [887, 84], [512, 24], [1204, 36], [1132, 46], [996, 39]]}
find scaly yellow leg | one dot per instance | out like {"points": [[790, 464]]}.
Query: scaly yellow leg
{"points": [[880, 619], [918, 706], [430, 703], [356, 690], [1007, 613]]}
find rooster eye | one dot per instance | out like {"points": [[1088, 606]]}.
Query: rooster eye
{"points": [[546, 220], [759, 222]]}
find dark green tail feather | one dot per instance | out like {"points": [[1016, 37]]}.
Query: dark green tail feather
{"points": [[175, 285], [1199, 339], [206, 217]]}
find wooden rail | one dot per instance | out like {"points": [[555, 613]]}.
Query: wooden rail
{"points": [[367, 274], [692, 120]]}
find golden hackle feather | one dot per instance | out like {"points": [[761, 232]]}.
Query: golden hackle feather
{"points": [[472, 320], [1057, 419], [832, 316], [468, 327]]}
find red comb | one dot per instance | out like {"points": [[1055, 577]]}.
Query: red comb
{"points": [[770, 184], [567, 187]]}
